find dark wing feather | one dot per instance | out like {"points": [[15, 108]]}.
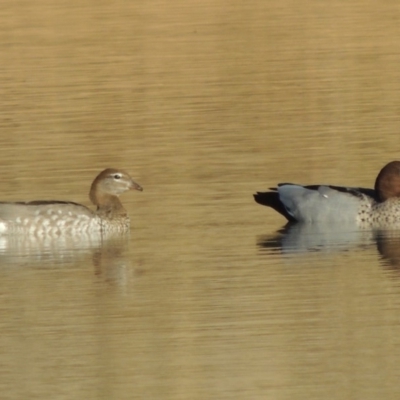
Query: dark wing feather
{"points": [[271, 199]]}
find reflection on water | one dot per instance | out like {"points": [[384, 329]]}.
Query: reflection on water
{"points": [[103, 253], [204, 103], [27, 248], [298, 238], [388, 244]]}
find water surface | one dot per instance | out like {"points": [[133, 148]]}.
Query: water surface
{"points": [[204, 104]]}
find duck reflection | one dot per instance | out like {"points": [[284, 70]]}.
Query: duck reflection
{"points": [[297, 238], [104, 252], [388, 244], [300, 238]]}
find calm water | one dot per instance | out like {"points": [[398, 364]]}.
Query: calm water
{"points": [[204, 104]]}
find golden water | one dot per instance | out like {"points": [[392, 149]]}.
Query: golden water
{"points": [[203, 102]]}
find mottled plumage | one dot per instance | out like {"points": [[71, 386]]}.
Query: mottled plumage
{"points": [[55, 218]]}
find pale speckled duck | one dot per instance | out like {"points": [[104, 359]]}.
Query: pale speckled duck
{"points": [[369, 208], [55, 218]]}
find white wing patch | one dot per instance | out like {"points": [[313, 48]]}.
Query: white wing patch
{"points": [[323, 191]]}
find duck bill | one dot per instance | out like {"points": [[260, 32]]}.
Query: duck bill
{"points": [[136, 186]]}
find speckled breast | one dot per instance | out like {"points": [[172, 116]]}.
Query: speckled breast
{"points": [[385, 214]]}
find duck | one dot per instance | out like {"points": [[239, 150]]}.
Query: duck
{"points": [[363, 207], [44, 218]]}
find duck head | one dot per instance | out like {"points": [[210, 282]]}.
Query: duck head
{"points": [[387, 183], [109, 185]]}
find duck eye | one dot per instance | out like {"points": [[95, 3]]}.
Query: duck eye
{"points": [[117, 176]]}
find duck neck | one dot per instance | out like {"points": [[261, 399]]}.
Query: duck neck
{"points": [[108, 205]]}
